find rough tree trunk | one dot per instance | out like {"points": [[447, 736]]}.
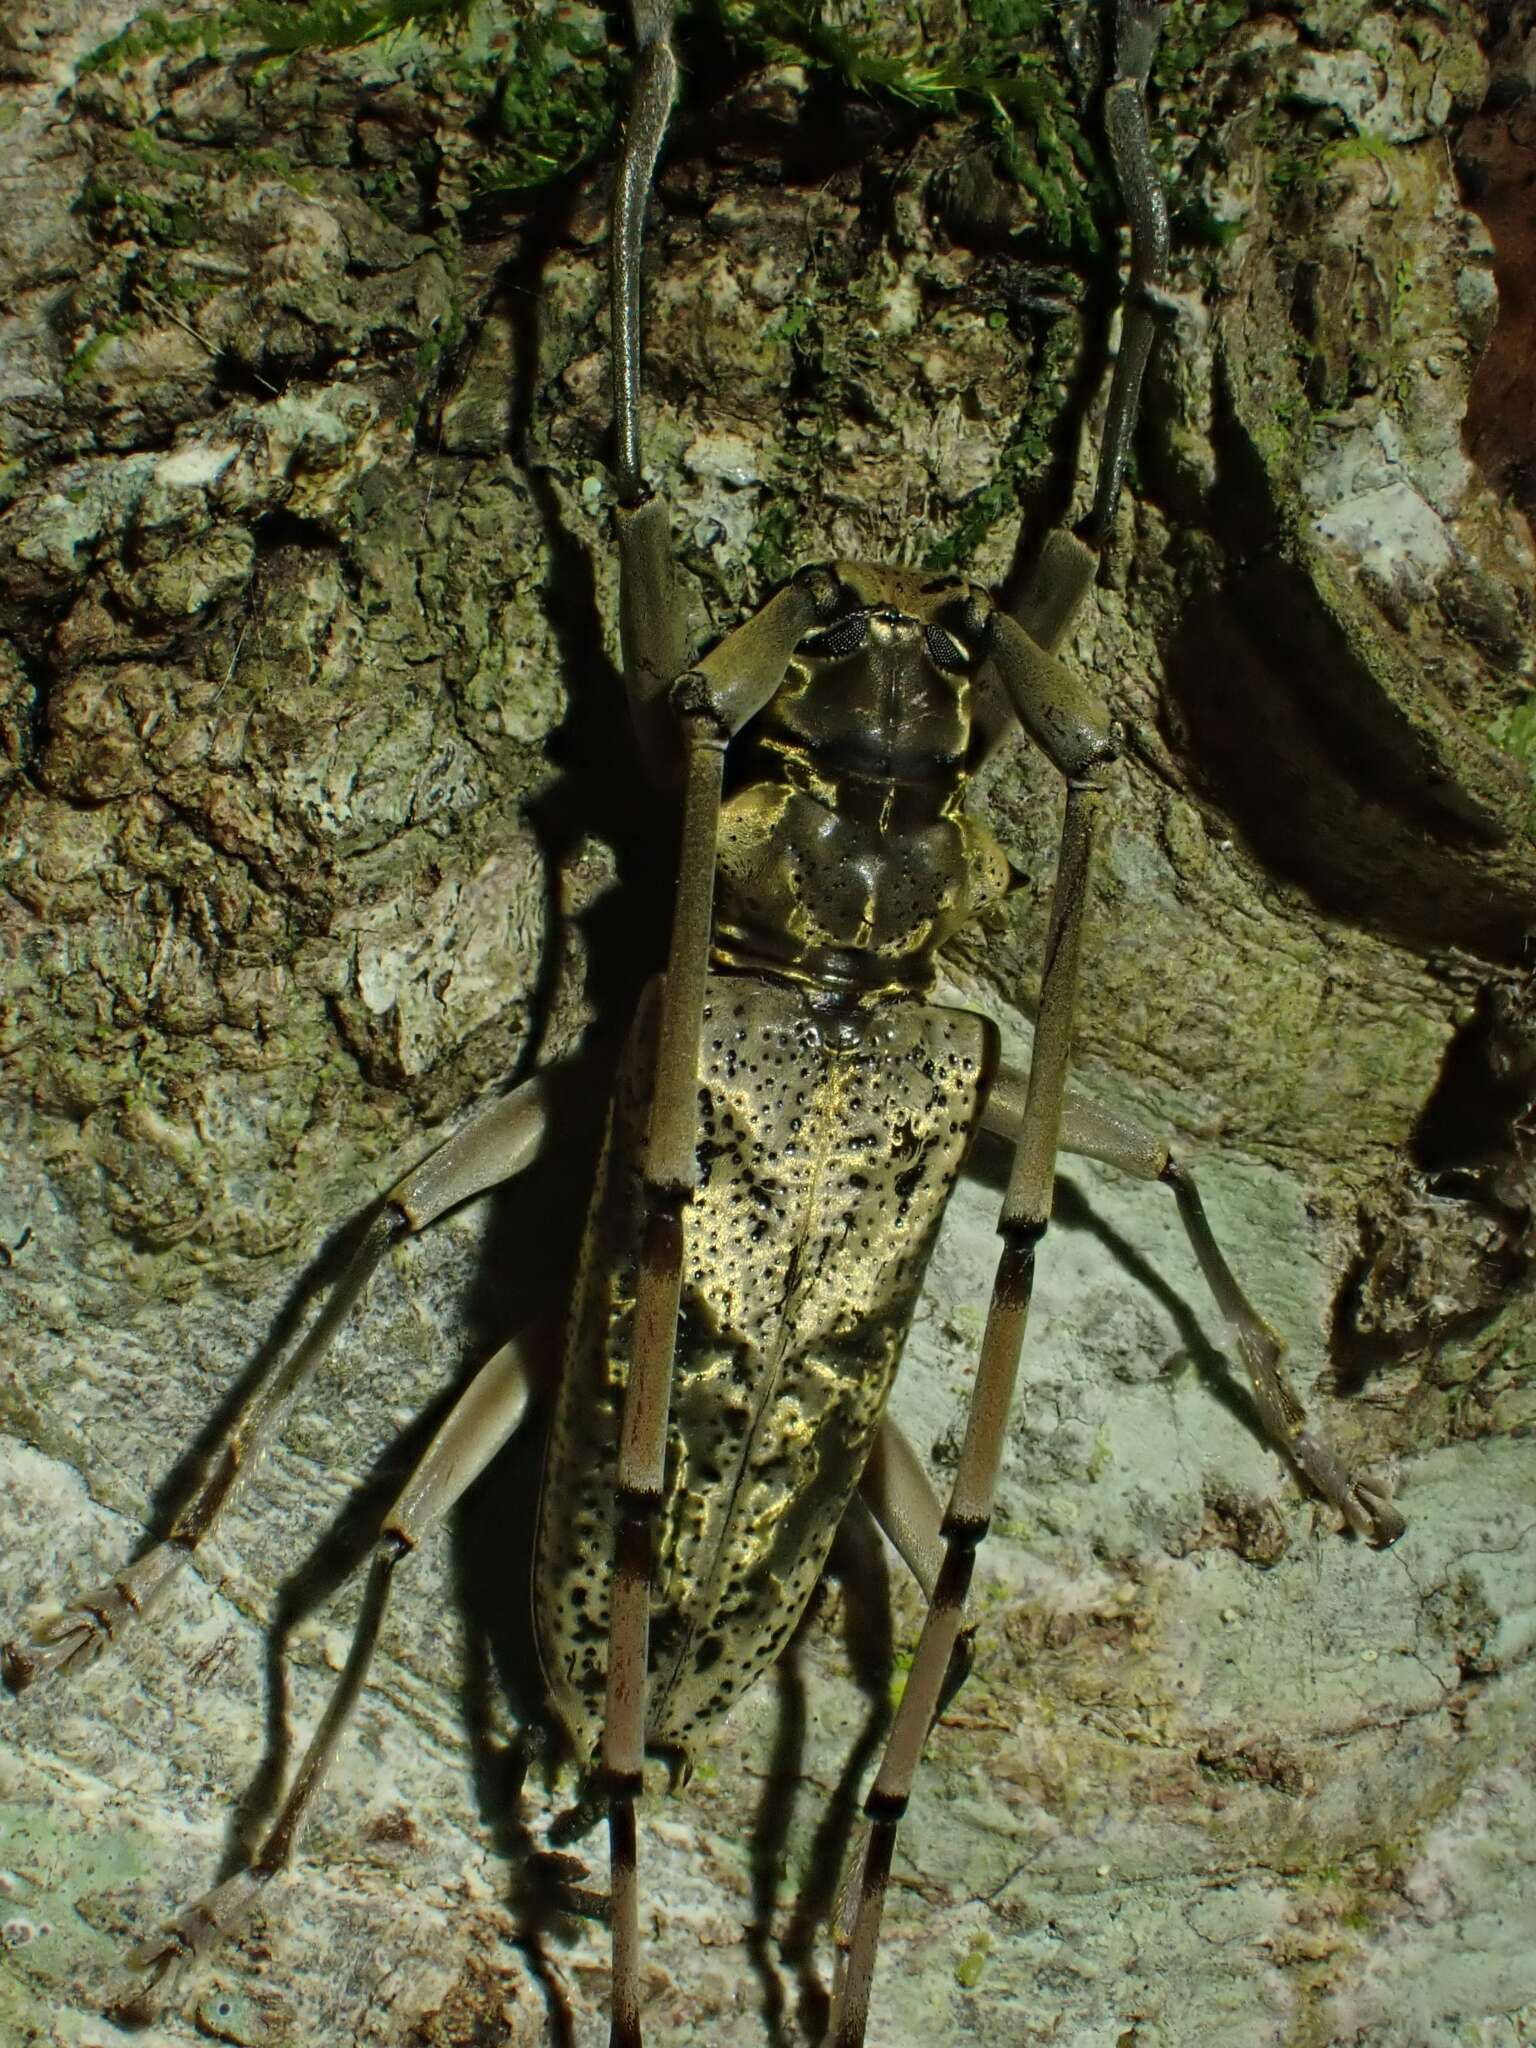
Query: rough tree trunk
{"points": [[320, 819]]}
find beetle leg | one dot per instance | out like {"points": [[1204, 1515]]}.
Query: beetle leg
{"points": [[899, 1494], [707, 705], [670, 1175], [671, 1172], [710, 702], [1022, 1223], [1059, 712], [1095, 1134], [488, 1411], [1062, 718], [897, 1491], [506, 1135]]}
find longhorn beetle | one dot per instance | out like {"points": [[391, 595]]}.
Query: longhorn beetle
{"points": [[790, 1114]]}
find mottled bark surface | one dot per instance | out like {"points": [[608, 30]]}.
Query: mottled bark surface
{"points": [[320, 818]]}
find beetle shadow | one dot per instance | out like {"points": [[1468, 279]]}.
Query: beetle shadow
{"points": [[1071, 1209], [596, 791], [491, 1532], [311, 1287], [859, 1565], [332, 1557], [535, 1222]]}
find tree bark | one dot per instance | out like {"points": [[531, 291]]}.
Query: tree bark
{"points": [[321, 818]]}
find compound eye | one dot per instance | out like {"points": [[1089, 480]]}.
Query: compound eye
{"points": [[833, 643], [945, 652], [968, 620]]}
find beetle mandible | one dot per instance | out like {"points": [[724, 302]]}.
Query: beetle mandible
{"points": [[790, 1116]]}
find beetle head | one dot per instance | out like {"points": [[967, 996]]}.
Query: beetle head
{"points": [[877, 607]]}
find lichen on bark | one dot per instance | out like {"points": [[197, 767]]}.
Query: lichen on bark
{"points": [[320, 819]]}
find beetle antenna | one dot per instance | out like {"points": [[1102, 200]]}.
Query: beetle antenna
{"points": [[650, 108], [1137, 25]]}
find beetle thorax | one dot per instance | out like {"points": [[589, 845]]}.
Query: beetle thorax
{"points": [[846, 855]]}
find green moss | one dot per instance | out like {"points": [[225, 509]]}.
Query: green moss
{"points": [[275, 27], [152, 34], [1002, 66], [970, 1966], [1197, 223], [449, 334], [121, 212], [1362, 147], [1192, 30], [149, 149], [344, 24], [429, 357], [1026, 456], [1516, 733], [272, 163], [555, 103], [773, 535], [796, 322], [1301, 166], [550, 85], [1281, 433], [86, 355]]}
